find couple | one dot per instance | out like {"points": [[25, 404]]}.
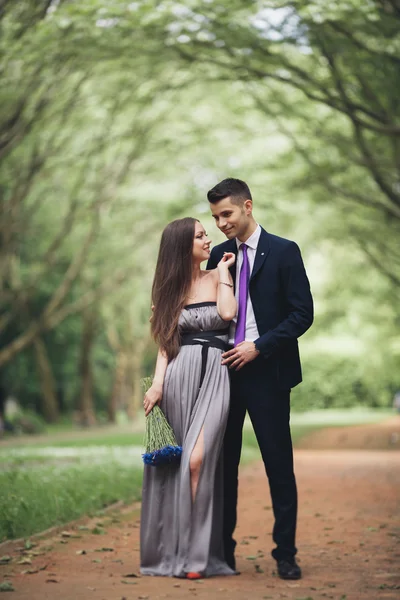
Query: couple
{"points": [[228, 343]]}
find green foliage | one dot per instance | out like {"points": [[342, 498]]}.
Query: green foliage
{"points": [[28, 421], [335, 381], [117, 117]]}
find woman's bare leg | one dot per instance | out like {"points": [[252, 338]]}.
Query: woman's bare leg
{"points": [[196, 459]]}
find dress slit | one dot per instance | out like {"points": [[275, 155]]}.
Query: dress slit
{"points": [[201, 439]]}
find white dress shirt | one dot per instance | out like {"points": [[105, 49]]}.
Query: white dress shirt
{"points": [[251, 325]]}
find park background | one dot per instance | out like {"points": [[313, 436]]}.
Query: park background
{"points": [[117, 117]]}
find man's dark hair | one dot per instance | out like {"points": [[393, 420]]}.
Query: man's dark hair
{"points": [[237, 189]]}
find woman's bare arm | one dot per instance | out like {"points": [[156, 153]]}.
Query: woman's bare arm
{"points": [[153, 395]]}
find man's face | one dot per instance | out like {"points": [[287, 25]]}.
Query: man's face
{"points": [[232, 219]]}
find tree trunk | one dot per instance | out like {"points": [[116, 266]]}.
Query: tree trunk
{"points": [[86, 411], [49, 404], [118, 385], [136, 373]]}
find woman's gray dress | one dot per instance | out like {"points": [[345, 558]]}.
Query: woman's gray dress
{"points": [[176, 535]]}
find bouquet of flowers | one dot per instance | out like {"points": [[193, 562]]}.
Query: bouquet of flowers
{"points": [[161, 447]]}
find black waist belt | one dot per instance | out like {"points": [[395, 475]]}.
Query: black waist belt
{"points": [[206, 339]]}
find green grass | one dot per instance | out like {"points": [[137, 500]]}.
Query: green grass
{"points": [[113, 439], [304, 423], [32, 501], [250, 450]]}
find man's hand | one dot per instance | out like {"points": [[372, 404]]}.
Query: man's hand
{"points": [[242, 354]]}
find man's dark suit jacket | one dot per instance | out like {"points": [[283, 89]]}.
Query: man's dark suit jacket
{"points": [[282, 302]]}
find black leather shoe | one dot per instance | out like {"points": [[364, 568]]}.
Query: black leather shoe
{"points": [[288, 569]]}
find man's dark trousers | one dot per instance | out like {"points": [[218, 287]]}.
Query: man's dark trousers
{"points": [[255, 390]]}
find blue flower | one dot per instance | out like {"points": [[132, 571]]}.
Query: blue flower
{"points": [[163, 456]]}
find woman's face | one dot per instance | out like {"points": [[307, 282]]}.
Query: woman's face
{"points": [[201, 243]]}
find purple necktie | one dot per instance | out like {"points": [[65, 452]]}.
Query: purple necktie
{"points": [[240, 332]]}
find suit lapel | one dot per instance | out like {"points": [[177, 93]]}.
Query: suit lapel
{"points": [[262, 252]]}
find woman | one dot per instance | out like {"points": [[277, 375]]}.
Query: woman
{"points": [[181, 519]]}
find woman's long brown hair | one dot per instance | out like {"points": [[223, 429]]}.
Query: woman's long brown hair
{"points": [[172, 281]]}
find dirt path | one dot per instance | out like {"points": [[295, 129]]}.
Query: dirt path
{"points": [[373, 436], [348, 538]]}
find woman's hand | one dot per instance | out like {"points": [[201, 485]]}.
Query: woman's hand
{"points": [[152, 397], [227, 260]]}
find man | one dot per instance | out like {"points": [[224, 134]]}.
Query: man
{"points": [[275, 307]]}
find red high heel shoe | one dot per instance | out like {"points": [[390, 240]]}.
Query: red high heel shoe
{"points": [[193, 575]]}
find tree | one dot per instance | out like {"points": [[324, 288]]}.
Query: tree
{"points": [[329, 75], [80, 129]]}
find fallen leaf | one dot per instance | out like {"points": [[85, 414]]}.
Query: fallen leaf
{"points": [[130, 575], [52, 581], [5, 559], [69, 534], [33, 571], [129, 582], [25, 561], [80, 552], [104, 550], [29, 545], [251, 557], [6, 586], [98, 531]]}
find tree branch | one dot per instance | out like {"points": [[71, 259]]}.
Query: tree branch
{"points": [[371, 164], [387, 272]]}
